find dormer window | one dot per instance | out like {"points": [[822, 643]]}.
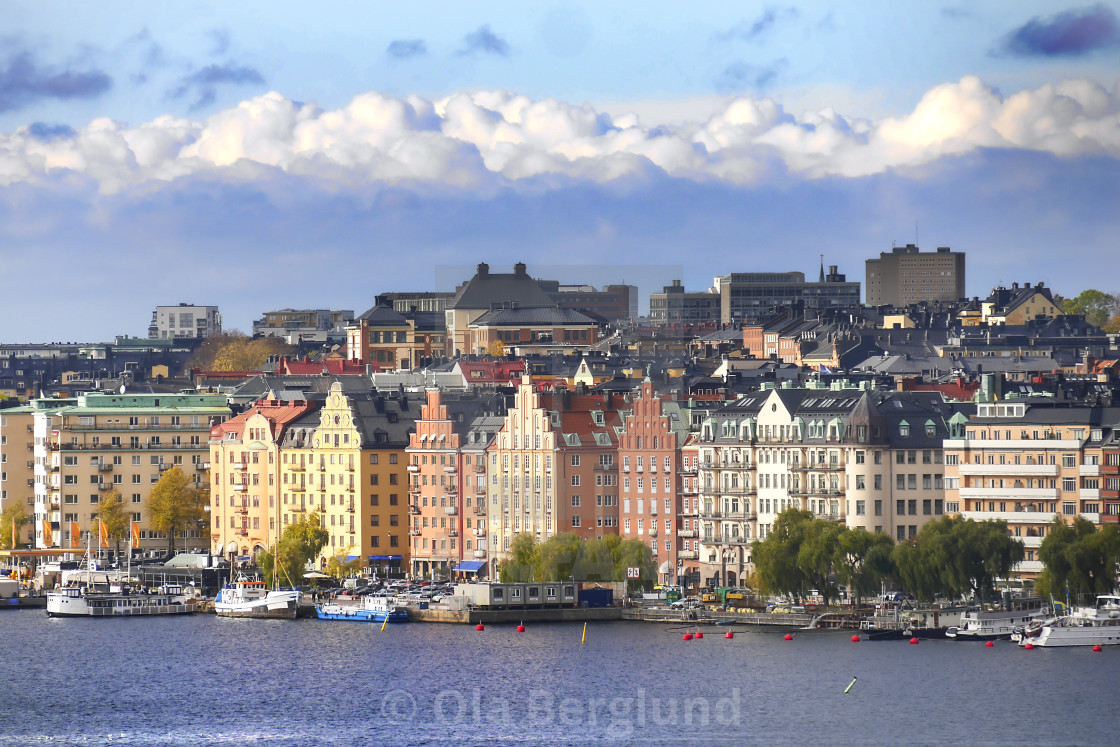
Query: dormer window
{"points": [[904, 429]]}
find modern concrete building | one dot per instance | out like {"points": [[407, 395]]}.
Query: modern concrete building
{"points": [[750, 296], [906, 275], [291, 324], [185, 320], [673, 305]]}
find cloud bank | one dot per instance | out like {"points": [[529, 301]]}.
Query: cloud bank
{"points": [[493, 138], [1068, 34], [25, 81]]}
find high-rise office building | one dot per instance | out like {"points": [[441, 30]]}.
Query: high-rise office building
{"points": [[906, 276]]}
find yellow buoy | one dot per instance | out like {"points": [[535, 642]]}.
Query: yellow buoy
{"points": [[584, 639]]}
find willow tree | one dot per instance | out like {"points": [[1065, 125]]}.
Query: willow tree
{"points": [[174, 504], [863, 560], [776, 556], [1078, 558]]}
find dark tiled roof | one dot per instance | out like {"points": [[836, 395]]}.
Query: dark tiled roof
{"points": [[533, 315], [487, 288]]}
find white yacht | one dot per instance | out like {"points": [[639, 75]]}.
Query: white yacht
{"points": [[245, 598], [988, 624], [1098, 625]]}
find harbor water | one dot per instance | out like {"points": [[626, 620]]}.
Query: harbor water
{"points": [[200, 680]]}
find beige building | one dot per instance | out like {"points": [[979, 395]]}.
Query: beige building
{"points": [[906, 275], [865, 459], [245, 508], [348, 462], [1025, 464], [17, 459], [121, 442]]}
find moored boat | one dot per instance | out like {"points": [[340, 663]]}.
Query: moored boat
{"points": [[86, 601], [367, 609], [1001, 622], [253, 599], [1098, 625]]}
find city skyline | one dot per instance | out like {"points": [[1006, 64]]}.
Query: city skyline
{"points": [[260, 162]]}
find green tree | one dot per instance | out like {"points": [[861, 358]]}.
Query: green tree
{"points": [[862, 561], [111, 513], [956, 557], [634, 553], [1096, 306], [776, 557], [1079, 559], [174, 504], [339, 567], [524, 557], [299, 544], [816, 556], [13, 515], [558, 556]]}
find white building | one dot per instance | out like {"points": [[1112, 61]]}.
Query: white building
{"points": [[185, 320]]}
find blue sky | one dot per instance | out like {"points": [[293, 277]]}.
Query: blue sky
{"points": [[262, 155]]}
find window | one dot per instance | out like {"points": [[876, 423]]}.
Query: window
{"points": [[575, 481], [575, 462], [575, 521]]}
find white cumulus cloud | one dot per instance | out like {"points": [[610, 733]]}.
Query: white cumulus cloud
{"points": [[471, 139]]}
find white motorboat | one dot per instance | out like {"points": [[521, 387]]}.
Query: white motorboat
{"points": [[245, 598], [1098, 625], [994, 623]]}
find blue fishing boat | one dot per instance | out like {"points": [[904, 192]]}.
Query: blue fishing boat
{"points": [[367, 609]]}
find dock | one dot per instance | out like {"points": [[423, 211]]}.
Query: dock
{"points": [[514, 616]]}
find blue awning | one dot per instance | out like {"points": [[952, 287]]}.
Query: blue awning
{"points": [[352, 558], [384, 557], [470, 566]]}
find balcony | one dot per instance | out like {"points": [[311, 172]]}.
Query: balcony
{"points": [[414, 532], [413, 509], [710, 515], [413, 468], [452, 532], [480, 468], [1012, 517], [104, 467], [1015, 470], [479, 510], [240, 487], [480, 553], [480, 532], [202, 466], [1110, 469], [1090, 470], [297, 467], [686, 533], [688, 554], [1025, 494], [298, 488], [450, 510]]}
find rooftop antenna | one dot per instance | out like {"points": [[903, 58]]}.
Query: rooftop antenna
{"points": [[916, 242]]}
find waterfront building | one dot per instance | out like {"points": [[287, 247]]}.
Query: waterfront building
{"points": [[348, 463], [17, 460], [246, 479], [649, 452], [447, 484], [553, 467], [906, 275], [867, 459], [1027, 462], [185, 320], [122, 443]]}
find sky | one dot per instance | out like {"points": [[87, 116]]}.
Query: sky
{"points": [[261, 155]]}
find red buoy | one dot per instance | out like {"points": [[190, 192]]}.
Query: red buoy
{"points": [[698, 635], [855, 639], [789, 636], [729, 634], [989, 644], [520, 628], [1097, 648], [913, 641], [686, 637], [1028, 646], [480, 626]]}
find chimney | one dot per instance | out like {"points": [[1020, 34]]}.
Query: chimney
{"points": [[483, 269], [519, 268]]}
